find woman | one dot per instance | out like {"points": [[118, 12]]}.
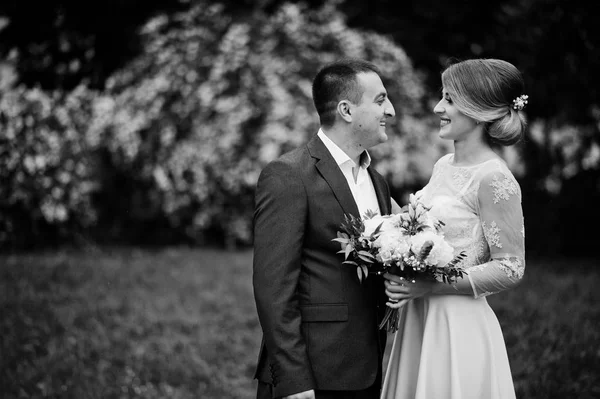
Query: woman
{"points": [[449, 343]]}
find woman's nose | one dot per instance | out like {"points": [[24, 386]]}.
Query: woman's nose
{"points": [[438, 109]]}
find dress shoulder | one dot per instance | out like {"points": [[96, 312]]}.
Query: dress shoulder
{"points": [[494, 167], [445, 158], [497, 176]]}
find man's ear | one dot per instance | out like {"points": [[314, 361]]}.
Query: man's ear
{"points": [[344, 108]]}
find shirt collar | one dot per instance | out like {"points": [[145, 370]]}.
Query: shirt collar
{"points": [[340, 156]]}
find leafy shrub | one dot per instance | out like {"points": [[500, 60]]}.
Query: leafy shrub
{"points": [[46, 174], [173, 147], [215, 97]]}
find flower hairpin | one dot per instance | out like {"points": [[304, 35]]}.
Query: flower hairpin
{"points": [[520, 102]]}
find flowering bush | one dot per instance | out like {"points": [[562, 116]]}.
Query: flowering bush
{"points": [[181, 133], [214, 98], [46, 175]]}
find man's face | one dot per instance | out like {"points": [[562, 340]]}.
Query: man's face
{"points": [[370, 115]]}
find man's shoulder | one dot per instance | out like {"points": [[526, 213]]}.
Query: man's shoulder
{"points": [[289, 162], [294, 156]]}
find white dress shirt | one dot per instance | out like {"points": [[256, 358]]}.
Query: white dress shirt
{"points": [[362, 188]]}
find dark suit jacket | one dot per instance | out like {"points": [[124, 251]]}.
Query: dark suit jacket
{"points": [[320, 324]]}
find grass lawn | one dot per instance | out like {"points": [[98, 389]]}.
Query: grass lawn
{"points": [[181, 323]]}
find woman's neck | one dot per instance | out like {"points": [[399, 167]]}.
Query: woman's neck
{"points": [[472, 152]]}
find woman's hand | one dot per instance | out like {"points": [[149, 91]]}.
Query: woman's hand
{"points": [[400, 291]]}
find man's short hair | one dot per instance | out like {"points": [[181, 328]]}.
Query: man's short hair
{"points": [[336, 82]]}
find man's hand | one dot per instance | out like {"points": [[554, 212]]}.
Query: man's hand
{"points": [[302, 395], [400, 290]]}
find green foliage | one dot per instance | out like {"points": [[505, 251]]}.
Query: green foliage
{"points": [[547, 324], [64, 44], [553, 42], [203, 87], [178, 138], [214, 97], [171, 150], [356, 247], [119, 324], [560, 171], [46, 174]]}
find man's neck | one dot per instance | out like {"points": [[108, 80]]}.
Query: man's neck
{"points": [[340, 138]]}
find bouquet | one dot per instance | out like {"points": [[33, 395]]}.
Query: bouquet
{"points": [[409, 244]]}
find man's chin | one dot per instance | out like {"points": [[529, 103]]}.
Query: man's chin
{"points": [[375, 140], [381, 139]]}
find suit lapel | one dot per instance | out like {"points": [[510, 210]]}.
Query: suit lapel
{"points": [[332, 174], [381, 191]]}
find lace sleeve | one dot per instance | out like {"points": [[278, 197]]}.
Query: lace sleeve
{"points": [[501, 218]]}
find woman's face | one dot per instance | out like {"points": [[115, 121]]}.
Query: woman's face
{"points": [[454, 125]]}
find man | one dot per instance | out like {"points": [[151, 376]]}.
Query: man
{"points": [[320, 324]]}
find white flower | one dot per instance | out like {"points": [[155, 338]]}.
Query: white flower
{"points": [[392, 245], [520, 102], [440, 254]]}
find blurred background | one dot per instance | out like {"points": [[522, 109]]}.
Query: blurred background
{"points": [[132, 134]]}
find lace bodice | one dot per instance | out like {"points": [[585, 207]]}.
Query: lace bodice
{"points": [[481, 208]]}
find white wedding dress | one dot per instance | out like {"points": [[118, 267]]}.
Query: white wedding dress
{"points": [[451, 346]]}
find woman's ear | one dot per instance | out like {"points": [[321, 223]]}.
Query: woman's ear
{"points": [[344, 108]]}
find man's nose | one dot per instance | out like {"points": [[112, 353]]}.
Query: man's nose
{"points": [[390, 111]]}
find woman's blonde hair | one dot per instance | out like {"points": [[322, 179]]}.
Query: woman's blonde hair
{"points": [[484, 89]]}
